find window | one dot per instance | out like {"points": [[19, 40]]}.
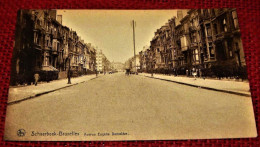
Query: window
{"points": [[48, 24], [237, 47], [38, 22], [225, 25], [37, 39], [208, 30], [209, 10], [186, 27], [174, 53], [205, 12], [65, 50], [213, 12], [195, 55], [211, 50], [230, 48], [216, 28], [17, 65], [75, 59], [58, 45], [205, 52], [54, 46], [235, 19], [195, 22], [184, 43], [46, 60], [194, 38], [230, 53]]}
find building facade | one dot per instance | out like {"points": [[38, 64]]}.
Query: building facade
{"points": [[208, 40], [103, 65], [45, 46]]}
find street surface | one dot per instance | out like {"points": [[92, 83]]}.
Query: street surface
{"points": [[142, 107]]}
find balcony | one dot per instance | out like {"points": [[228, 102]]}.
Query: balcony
{"points": [[220, 12], [48, 47], [37, 27], [221, 36], [192, 29], [185, 48], [60, 35], [37, 46], [194, 45], [54, 52]]}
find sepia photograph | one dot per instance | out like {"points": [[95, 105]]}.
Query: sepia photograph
{"points": [[87, 75]]}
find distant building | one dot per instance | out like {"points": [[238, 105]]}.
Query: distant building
{"points": [[117, 66], [102, 63], [133, 63]]}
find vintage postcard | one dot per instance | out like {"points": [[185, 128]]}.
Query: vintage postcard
{"points": [[128, 75]]}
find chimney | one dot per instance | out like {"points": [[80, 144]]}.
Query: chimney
{"points": [[59, 18], [53, 14], [179, 14]]}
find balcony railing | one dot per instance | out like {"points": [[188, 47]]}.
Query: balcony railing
{"points": [[37, 46], [185, 48], [194, 44], [192, 29], [38, 27], [221, 35], [209, 38]]}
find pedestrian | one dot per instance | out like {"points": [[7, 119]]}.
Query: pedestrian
{"points": [[96, 73], [187, 72], [200, 73], [36, 78], [194, 73]]}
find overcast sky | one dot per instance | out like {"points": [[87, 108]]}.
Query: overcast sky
{"points": [[111, 30]]}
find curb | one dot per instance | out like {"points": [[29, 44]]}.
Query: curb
{"points": [[203, 87], [46, 92]]}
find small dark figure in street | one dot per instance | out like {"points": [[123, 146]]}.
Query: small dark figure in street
{"points": [[36, 78], [175, 72], [96, 73], [127, 72], [194, 73]]}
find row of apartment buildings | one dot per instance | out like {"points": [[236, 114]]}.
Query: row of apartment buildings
{"points": [[103, 65], [205, 39], [44, 45]]}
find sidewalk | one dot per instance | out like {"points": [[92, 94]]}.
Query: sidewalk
{"points": [[18, 94], [234, 87]]}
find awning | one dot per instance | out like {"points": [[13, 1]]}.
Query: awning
{"points": [[49, 68]]}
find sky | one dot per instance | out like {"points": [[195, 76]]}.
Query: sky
{"points": [[111, 30]]}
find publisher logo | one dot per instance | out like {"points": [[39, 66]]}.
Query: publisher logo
{"points": [[21, 132]]}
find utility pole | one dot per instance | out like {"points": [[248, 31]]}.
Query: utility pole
{"points": [[134, 44]]}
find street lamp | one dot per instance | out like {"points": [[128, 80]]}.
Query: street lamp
{"points": [[69, 81]]}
